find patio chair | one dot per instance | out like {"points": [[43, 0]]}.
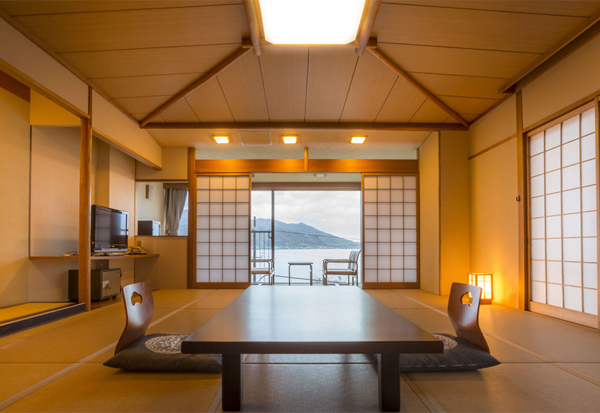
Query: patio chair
{"points": [[350, 269], [263, 270]]}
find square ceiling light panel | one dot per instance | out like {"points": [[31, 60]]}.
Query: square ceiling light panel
{"points": [[311, 21]]}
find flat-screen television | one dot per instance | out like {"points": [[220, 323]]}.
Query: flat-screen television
{"points": [[109, 230]]}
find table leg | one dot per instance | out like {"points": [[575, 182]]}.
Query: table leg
{"points": [[389, 382], [310, 274], [289, 274], [232, 382]]}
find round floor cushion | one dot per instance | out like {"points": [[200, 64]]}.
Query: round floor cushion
{"points": [[458, 355]]}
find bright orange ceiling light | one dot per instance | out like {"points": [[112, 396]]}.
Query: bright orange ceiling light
{"points": [[221, 139], [311, 21], [358, 140], [289, 140]]}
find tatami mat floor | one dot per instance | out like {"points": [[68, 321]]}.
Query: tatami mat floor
{"points": [[547, 365]]}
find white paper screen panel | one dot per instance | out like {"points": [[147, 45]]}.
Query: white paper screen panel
{"points": [[390, 229], [563, 215], [223, 225]]}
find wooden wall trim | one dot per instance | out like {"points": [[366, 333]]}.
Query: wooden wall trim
{"points": [[315, 165], [558, 118], [383, 126], [522, 178], [192, 218], [494, 146], [597, 109], [181, 185], [85, 208], [15, 87], [589, 320], [308, 186]]}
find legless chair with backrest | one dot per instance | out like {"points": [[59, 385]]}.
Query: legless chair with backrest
{"points": [[139, 309], [463, 311], [468, 350], [137, 351]]}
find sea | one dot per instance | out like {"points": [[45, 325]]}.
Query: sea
{"points": [[301, 274]]}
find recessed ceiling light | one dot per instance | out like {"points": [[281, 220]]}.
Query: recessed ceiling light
{"points": [[358, 140], [289, 140], [311, 21], [221, 139]]}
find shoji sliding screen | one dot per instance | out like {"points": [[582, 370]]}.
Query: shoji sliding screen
{"points": [[223, 229], [390, 231], [563, 221]]}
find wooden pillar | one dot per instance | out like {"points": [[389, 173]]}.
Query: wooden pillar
{"points": [[192, 205], [523, 213], [597, 108], [85, 207]]}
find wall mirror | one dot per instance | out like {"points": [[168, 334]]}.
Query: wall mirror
{"points": [[162, 209]]}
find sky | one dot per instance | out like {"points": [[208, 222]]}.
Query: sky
{"points": [[335, 212]]}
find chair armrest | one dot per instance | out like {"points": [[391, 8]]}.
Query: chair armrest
{"points": [[326, 262], [269, 261]]}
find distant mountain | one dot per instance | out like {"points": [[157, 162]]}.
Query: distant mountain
{"points": [[302, 236]]}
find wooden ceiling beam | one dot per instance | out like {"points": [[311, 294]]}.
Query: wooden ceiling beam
{"points": [[254, 24], [232, 58], [359, 126], [383, 58], [364, 34], [583, 34]]}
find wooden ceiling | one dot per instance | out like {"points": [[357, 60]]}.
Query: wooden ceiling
{"points": [[141, 53]]}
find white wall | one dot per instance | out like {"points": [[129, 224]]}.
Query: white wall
{"points": [[429, 200], [494, 220], [124, 132], [455, 209], [494, 211], [54, 190], [174, 166], [151, 209], [494, 181], [122, 185], [167, 271], [574, 78], [14, 206], [170, 269]]}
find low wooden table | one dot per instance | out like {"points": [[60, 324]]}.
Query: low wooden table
{"points": [[305, 320]]}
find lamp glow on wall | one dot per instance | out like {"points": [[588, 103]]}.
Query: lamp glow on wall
{"points": [[485, 282]]}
